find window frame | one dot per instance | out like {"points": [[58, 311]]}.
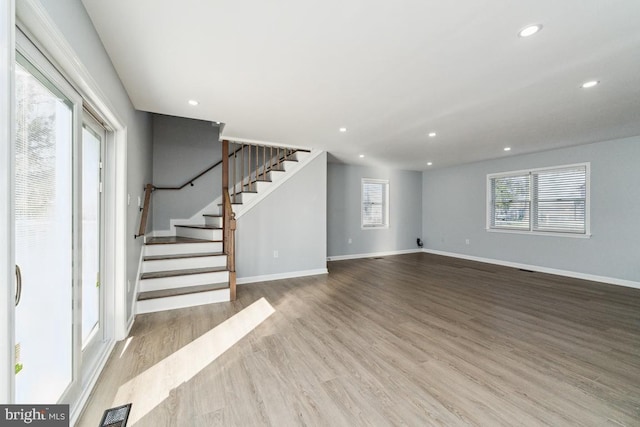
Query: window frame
{"points": [[533, 198], [385, 203]]}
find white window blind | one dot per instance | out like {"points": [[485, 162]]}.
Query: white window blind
{"points": [[375, 203], [553, 200], [560, 200]]}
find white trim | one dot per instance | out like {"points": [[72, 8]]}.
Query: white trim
{"points": [[538, 233], [87, 388], [7, 259], [530, 173], [385, 205], [539, 269], [372, 254], [280, 276]]}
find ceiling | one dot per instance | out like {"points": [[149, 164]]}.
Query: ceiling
{"points": [[294, 72]]}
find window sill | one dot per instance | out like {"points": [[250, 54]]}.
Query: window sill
{"points": [[540, 233]]}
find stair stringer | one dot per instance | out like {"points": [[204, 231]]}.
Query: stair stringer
{"points": [[196, 219]]}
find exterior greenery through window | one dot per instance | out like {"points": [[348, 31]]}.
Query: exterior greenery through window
{"points": [[550, 200], [375, 203]]}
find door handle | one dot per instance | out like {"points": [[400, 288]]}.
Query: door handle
{"points": [[18, 285]]}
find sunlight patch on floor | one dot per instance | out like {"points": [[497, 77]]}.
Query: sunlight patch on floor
{"points": [[126, 345], [151, 387]]}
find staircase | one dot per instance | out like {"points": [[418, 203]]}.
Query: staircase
{"points": [[193, 266]]}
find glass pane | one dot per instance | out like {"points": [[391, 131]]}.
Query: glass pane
{"points": [[90, 234], [43, 215], [511, 202]]}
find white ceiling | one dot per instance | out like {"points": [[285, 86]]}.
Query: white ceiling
{"points": [[294, 72]]}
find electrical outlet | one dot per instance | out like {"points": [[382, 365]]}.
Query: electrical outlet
{"points": [[128, 286], [350, 240], [275, 254], [467, 241], [128, 199]]}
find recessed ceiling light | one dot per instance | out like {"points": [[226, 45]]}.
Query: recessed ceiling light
{"points": [[590, 83], [432, 134], [529, 30], [343, 129], [193, 102], [507, 148], [429, 163], [361, 156]]}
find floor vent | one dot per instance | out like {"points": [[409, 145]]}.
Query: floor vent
{"points": [[116, 417]]}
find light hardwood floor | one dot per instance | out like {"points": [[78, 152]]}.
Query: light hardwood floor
{"points": [[406, 340]]}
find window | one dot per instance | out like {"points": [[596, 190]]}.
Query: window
{"points": [[550, 200], [375, 203]]}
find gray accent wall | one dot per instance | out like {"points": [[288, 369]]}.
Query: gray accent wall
{"points": [[291, 220], [343, 211], [73, 21], [454, 209], [182, 148]]}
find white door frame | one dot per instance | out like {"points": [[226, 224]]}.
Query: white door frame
{"points": [[7, 258]]}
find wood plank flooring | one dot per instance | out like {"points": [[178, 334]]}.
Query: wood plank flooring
{"points": [[411, 340]]}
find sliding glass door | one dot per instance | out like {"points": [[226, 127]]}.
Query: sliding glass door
{"points": [[43, 236], [60, 306], [93, 136]]}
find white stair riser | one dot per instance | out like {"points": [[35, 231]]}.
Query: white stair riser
{"points": [[214, 221], [182, 248], [182, 301], [289, 165], [260, 186], [183, 263], [243, 197], [275, 176], [199, 233], [301, 155], [147, 285]]}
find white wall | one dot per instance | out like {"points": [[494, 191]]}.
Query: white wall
{"points": [[74, 23], [454, 209], [344, 217], [182, 148], [291, 220]]}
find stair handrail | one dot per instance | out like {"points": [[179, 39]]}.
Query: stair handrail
{"points": [[228, 222], [145, 211], [190, 181]]}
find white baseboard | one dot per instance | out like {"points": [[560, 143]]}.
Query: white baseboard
{"points": [[279, 276], [372, 254], [539, 269]]}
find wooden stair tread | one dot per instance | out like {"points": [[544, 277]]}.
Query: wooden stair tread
{"points": [[181, 291], [181, 256], [212, 216], [169, 240], [174, 273], [200, 226]]}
